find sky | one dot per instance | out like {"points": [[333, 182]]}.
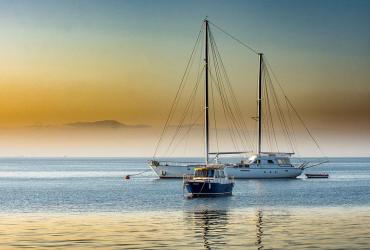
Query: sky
{"points": [[72, 61]]}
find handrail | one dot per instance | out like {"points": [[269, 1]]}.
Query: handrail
{"points": [[229, 153], [304, 166], [223, 180], [176, 163]]}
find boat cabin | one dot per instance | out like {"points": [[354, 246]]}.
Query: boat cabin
{"points": [[263, 159], [271, 158], [212, 171]]}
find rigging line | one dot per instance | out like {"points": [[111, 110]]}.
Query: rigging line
{"points": [[265, 76], [178, 92], [177, 104], [280, 113], [222, 93], [200, 73], [270, 116], [180, 125], [265, 127], [232, 135], [191, 118], [278, 108], [236, 39], [231, 91], [228, 107], [295, 111], [268, 119], [281, 116], [190, 106], [308, 131], [266, 114], [185, 135], [214, 114], [222, 96], [237, 125], [184, 115], [238, 122], [292, 128], [224, 106]]}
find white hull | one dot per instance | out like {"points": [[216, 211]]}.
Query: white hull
{"points": [[252, 172], [173, 171], [263, 172]]}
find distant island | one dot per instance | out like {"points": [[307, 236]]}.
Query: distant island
{"points": [[105, 124]]}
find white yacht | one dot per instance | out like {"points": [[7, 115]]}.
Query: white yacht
{"points": [[265, 165], [260, 165]]}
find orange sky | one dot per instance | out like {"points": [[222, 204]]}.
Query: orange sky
{"points": [[68, 62]]}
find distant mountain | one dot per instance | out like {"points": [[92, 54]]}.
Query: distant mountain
{"points": [[104, 124]]}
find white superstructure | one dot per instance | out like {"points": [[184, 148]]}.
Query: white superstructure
{"points": [[265, 165]]}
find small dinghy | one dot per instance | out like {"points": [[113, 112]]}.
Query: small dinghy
{"points": [[319, 175], [209, 180]]}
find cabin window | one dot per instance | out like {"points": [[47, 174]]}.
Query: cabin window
{"points": [[216, 174], [270, 161], [283, 161], [201, 173], [211, 173]]}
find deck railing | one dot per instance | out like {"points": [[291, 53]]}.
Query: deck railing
{"points": [[222, 180], [174, 163]]}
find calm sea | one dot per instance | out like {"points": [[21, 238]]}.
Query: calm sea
{"points": [[72, 203]]}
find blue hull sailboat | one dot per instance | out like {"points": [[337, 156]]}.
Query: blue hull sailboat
{"points": [[209, 181]]}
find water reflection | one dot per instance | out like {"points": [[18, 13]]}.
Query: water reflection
{"points": [[267, 228], [259, 227], [210, 225], [216, 228]]}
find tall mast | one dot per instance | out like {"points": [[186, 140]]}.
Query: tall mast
{"points": [[260, 104], [206, 130]]}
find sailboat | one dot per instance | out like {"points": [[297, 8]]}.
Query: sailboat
{"points": [[262, 164], [207, 181]]}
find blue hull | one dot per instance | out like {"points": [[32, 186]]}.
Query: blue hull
{"points": [[197, 189]]}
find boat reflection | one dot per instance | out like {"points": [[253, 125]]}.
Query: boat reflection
{"points": [[215, 228], [210, 225], [253, 228], [259, 229]]}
